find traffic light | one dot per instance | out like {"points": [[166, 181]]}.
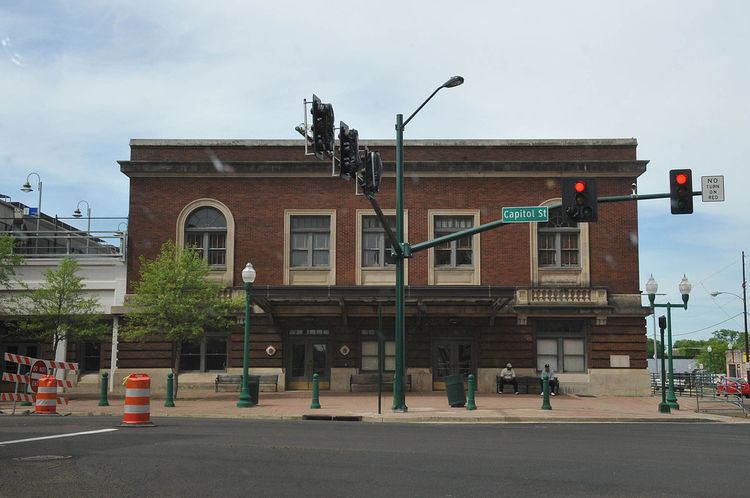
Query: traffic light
{"points": [[349, 160], [372, 172], [579, 200], [322, 127], [681, 191]]}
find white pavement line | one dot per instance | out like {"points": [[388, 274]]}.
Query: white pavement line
{"points": [[2, 443]]}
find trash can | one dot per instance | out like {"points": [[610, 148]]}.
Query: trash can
{"points": [[253, 385], [454, 388]]}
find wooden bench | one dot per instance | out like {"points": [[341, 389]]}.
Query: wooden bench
{"points": [[368, 382], [526, 385], [267, 382]]}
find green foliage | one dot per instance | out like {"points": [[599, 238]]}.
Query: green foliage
{"points": [[59, 308], [720, 342], [175, 300], [8, 260], [650, 348]]}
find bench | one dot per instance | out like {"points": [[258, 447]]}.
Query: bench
{"points": [[526, 385], [267, 382], [368, 382]]}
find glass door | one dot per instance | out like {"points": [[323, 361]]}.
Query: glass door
{"points": [[451, 357], [307, 357]]}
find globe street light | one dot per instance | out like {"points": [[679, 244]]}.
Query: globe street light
{"points": [[26, 187], [248, 277], [77, 214], [709, 350], [399, 399], [684, 287]]}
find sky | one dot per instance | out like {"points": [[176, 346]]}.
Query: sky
{"points": [[78, 80]]}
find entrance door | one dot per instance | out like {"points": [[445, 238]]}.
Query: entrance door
{"points": [[451, 357], [305, 358]]}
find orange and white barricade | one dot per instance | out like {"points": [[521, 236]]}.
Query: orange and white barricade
{"points": [[38, 370], [137, 401], [46, 396]]}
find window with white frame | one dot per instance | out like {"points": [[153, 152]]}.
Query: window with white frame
{"points": [[564, 354], [206, 233], [558, 242], [310, 241], [376, 249], [369, 347], [457, 253]]}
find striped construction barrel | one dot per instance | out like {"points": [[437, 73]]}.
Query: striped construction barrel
{"points": [[46, 396], [137, 400]]}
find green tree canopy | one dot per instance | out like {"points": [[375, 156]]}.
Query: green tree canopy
{"points": [[8, 260], [60, 308], [174, 299]]}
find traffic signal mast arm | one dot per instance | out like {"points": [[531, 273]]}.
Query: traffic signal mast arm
{"points": [[408, 250], [395, 247]]}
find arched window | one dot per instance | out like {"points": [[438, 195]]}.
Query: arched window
{"points": [[206, 233], [559, 242]]}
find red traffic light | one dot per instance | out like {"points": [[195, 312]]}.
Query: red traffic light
{"points": [[580, 186], [681, 178]]}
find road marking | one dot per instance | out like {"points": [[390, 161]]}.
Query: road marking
{"points": [[2, 443]]}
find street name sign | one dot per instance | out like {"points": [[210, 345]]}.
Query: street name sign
{"points": [[525, 214], [712, 188]]}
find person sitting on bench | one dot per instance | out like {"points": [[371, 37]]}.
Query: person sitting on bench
{"points": [[508, 376], [554, 383]]}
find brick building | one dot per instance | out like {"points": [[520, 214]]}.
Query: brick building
{"points": [[526, 293]]}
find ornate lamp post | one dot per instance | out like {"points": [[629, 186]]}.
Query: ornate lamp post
{"points": [[26, 187], [709, 350], [684, 287], [248, 277], [399, 399], [77, 214]]}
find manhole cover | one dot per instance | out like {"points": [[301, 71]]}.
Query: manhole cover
{"points": [[43, 458]]}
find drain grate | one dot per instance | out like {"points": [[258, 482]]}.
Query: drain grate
{"points": [[334, 418]]}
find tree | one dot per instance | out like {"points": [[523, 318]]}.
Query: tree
{"points": [[650, 348], [730, 337], [59, 309], [174, 299], [8, 260]]}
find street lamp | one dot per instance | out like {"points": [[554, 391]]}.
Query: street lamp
{"points": [[684, 287], [399, 399], [26, 187], [77, 214], [743, 298], [248, 277], [709, 350]]}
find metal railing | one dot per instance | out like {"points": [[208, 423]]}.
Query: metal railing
{"points": [[706, 388], [78, 244]]}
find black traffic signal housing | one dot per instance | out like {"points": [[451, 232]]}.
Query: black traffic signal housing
{"points": [[579, 200], [322, 128], [681, 191], [349, 159], [372, 172]]}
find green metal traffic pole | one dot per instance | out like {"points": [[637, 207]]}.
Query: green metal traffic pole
{"points": [[103, 390], [545, 390], [671, 398], [399, 401], [663, 406], [245, 401], [169, 402], [471, 403], [315, 392]]}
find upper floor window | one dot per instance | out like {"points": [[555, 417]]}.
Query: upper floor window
{"points": [[206, 233], [376, 248], [310, 238], [558, 242], [457, 253]]}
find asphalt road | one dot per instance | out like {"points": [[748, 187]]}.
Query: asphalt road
{"points": [[188, 457]]}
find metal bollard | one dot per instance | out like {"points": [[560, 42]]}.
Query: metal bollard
{"points": [[169, 402], [103, 390], [471, 404], [315, 401], [545, 390]]}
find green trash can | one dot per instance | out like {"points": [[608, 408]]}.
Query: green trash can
{"points": [[253, 386], [454, 388]]}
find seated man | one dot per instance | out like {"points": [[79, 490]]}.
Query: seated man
{"points": [[508, 376], [554, 383]]}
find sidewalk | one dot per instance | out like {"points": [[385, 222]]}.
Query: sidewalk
{"points": [[423, 407]]}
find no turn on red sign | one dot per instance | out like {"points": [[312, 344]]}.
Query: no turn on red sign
{"points": [[712, 188]]}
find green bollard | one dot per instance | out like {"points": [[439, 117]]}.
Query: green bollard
{"points": [[315, 401], [471, 404], [545, 390], [169, 402], [103, 390]]}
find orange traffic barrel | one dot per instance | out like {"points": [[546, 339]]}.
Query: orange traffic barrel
{"points": [[46, 396], [137, 400]]}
